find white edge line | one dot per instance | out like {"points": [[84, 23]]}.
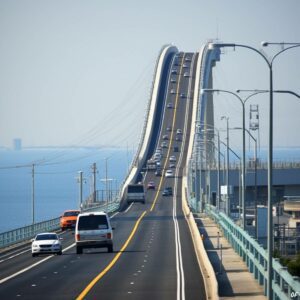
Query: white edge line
{"points": [[32, 266]]}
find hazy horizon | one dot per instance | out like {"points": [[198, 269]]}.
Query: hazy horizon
{"points": [[80, 73]]}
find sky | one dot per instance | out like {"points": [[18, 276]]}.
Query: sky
{"points": [[79, 73]]}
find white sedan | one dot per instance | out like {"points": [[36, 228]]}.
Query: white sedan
{"points": [[169, 173], [48, 242]]}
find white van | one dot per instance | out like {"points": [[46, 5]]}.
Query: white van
{"points": [[93, 230], [135, 193]]}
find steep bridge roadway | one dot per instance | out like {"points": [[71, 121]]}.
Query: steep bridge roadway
{"points": [[154, 256]]}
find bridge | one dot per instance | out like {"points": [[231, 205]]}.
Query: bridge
{"points": [[158, 253]]}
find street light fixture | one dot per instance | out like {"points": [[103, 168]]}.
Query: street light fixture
{"points": [[274, 91], [269, 62]]}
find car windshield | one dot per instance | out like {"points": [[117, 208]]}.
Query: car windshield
{"points": [[92, 222], [71, 213], [43, 237]]}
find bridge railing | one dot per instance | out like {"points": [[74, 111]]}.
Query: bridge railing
{"points": [[285, 286], [26, 233]]}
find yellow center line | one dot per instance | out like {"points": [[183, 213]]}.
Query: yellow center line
{"points": [[112, 263], [171, 138]]}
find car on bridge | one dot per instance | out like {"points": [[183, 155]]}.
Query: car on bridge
{"points": [[169, 173], [93, 230], [168, 191], [158, 172], [169, 105], [178, 138], [165, 137], [172, 158], [47, 242], [151, 185], [164, 145], [68, 219]]}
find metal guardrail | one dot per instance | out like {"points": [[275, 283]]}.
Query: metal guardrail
{"points": [[26, 233], [284, 285]]}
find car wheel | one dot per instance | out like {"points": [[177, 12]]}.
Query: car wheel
{"points": [[34, 254], [78, 250], [59, 253], [110, 248]]}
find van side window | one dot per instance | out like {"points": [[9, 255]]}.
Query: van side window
{"points": [[92, 222]]}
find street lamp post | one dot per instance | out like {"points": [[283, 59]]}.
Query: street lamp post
{"points": [[227, 162], [243, 102], [255, 174], [218, 165], [269, 62], [234, 153]]}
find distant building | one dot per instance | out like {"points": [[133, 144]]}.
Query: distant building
{"points": [[17, 144]]}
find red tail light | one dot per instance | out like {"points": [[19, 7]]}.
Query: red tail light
{"points": [[108, 235], [77, 237]]}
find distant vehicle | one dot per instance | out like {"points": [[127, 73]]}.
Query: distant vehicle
{"points": [[135, 193], [182, 95], [169, 173], [68, 219], [173, 80], [176, 149], [151, 165], [164, 145], [178, 131], [188, 58], [186, 74], [47, 242], [174, 71], [168, 191], [170, 105], [172, 158], [93, 230], [172, 165], [169, 128], [185, 66], [172, 91], [157, 157], [178, 138], [165, 137], [158, 172], [151, 185]]}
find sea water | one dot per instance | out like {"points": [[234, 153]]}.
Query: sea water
{"points": [[55, 180]]}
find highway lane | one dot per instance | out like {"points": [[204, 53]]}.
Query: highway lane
{"points": [[68, 274], [159, 261], [164, 265]]}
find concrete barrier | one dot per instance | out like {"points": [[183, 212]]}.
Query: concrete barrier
{"points": [[143, 149], [209, 276]]}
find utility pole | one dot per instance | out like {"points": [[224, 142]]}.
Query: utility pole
{"points": [[106, 187], [33, 196], [80, 189], [94, 170]]}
